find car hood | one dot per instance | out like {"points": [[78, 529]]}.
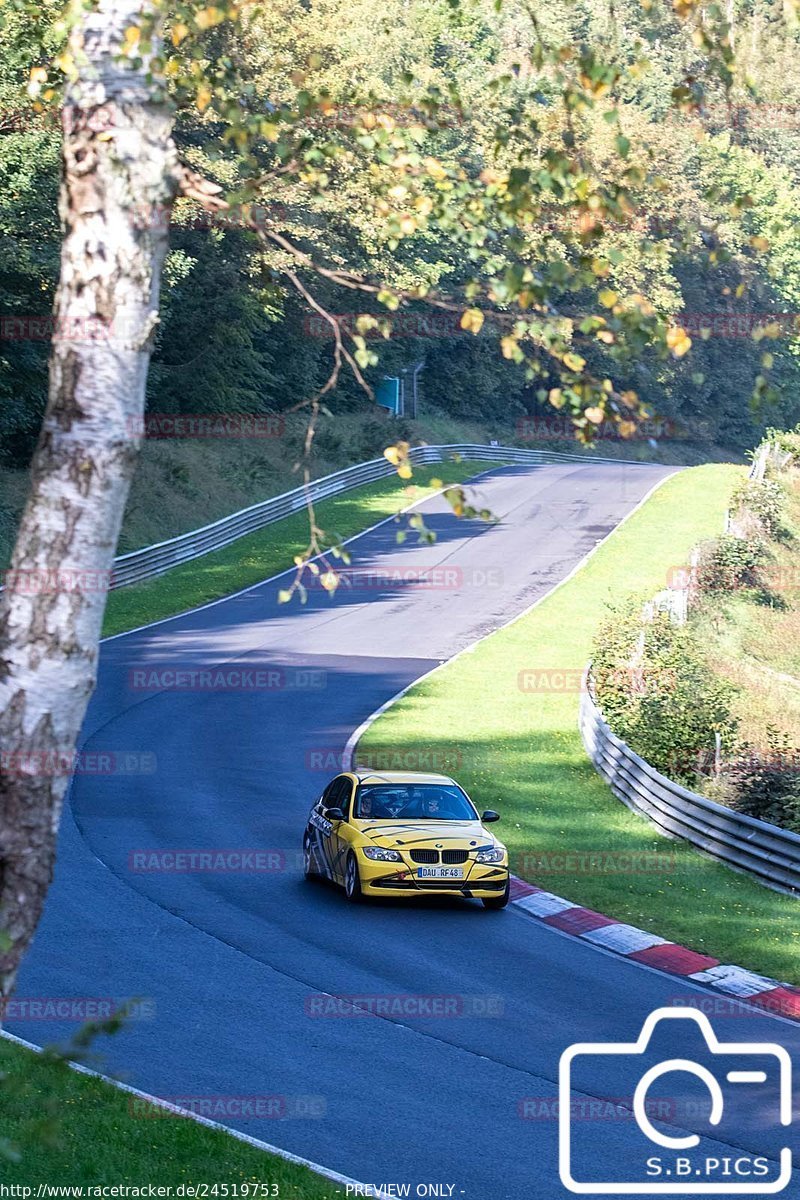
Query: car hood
{"points": [[415, 835]]}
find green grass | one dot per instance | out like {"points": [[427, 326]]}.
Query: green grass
{"points": [[272, 549], [521, 752], [70, 1129]]}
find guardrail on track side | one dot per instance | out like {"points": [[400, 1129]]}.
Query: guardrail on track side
{"points": [[151, 561], [770, 853]]}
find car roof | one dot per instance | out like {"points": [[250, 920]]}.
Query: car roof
{"points": [[368, 775]]}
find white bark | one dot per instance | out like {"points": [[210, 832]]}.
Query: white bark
{"points": [[118, 161]]}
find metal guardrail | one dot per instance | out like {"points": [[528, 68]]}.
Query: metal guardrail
{"points": [[152, 561], [770, 853]]}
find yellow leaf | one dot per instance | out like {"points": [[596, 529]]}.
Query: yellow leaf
{"points": [[284, 595], [435, 168], [203, 97], [595, 415], [760, 244], [404, 471], [556, 397], [574, 362], [64, 61], [472, 320], [391, 453], [132, 35], [678, 341], [37, 77], [179, 32], [607, 298], [330, 581], [207, 17]]}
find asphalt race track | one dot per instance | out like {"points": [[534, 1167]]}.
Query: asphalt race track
{"points": [[230, 963]]}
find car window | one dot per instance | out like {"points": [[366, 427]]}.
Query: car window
{"points": [[337, 793], [413, 802]]}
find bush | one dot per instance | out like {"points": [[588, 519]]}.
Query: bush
{"points": [[767, 786], [766, 499], [787, 441], [730, 562], [657, 692]]}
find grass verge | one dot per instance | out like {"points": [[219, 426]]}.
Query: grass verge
{"points": [[71, 1129], [521, 752], [272, 549]]}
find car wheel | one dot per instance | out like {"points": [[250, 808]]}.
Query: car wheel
{"points": [[498, 901], [352, 880], [309, 868]]}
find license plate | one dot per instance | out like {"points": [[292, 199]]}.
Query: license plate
{"points": [[440, 872]]}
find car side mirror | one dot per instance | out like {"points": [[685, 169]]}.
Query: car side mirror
{"points": [[334, 814], [490, 815]]}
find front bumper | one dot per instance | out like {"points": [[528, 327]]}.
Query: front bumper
{"points": [[400, 879]]}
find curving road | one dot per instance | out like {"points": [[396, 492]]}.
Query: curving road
{"points": [[232, 962]]}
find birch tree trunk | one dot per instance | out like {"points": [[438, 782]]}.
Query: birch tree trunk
{"points": [[118, 162]]}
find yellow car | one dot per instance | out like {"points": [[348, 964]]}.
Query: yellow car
{"points": [[398, 833]]}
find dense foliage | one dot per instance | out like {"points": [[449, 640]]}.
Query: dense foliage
{"points": [[658, 694], [657, 687], [589, 174]]}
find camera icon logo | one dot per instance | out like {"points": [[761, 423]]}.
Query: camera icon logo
{"points": [[679, 1146]]}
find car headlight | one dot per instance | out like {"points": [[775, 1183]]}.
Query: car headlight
{"points": [[381, 854], [490, 856]]}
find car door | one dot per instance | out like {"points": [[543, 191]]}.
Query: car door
{"points": [[339, 795], [321, 829]]}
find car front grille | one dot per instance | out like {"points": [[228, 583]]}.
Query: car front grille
{"points": [[425, 856], [451, 857]]}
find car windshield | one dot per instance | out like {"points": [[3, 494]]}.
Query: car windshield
{"points": [[412, 802]]}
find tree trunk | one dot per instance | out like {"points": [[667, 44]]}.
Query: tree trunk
{"points": [[118, 162]]}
